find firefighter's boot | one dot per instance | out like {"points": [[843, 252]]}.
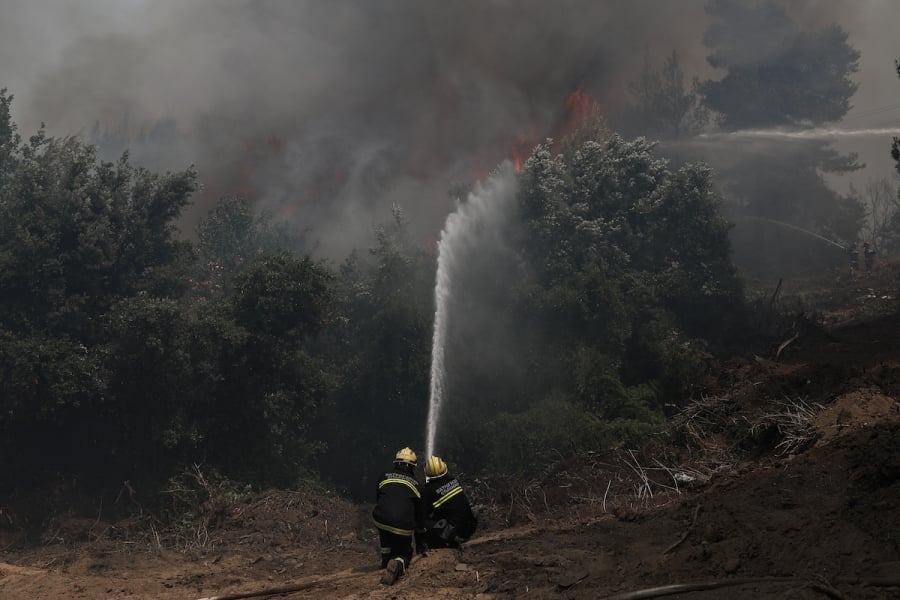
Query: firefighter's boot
{"points": [[392, 572]]}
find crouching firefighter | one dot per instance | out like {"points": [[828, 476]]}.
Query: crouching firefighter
{"points": [[398, 515], [448, 516]]}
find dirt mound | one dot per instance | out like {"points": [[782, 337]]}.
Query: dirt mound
{"points": [[853, 411]]}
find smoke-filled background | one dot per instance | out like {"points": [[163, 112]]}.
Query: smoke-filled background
{"points": [[327, 113]]}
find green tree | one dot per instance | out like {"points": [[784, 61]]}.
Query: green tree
{"points": [[79, 239], [664, 107], [626, 274], [78, 234], [895, 154], [9, 138], [232, 235], [776, 74], [259, 420], [148, 353], [882, 222], [381, 347]]}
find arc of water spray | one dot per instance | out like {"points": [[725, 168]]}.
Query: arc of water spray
{"points": [[485, 208], [817, 133], [795, 228]]}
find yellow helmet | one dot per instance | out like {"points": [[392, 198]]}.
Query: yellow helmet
{"points": [[435, 467], [406, 456]]}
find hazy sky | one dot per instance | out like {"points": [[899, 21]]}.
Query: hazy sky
{"points": [[328, 111]]}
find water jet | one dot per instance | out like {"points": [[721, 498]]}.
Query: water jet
{"points": [[483, 213]]}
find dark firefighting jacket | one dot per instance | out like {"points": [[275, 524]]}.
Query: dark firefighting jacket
{"points": [[398, 504], [444, 499]]}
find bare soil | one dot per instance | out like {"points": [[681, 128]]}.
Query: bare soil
{"points": [[782, 480]]}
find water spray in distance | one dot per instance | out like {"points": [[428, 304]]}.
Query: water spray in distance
{"points": [[795, 228], [817, 133]]}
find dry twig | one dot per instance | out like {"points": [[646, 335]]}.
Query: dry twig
{"points": [[794, 423], [785, 344], [643, 490], [686, 533]]}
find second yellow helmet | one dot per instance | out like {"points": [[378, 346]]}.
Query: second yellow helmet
{"points": [[435, 467]]}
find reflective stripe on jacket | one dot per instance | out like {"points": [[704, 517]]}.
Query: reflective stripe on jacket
{"points": [[398, 504], [446, 500]]}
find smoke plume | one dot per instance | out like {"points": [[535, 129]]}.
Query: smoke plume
{"points": [[327, 112]]}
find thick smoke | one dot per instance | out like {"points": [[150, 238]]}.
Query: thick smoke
{"points": [[328, 112]]}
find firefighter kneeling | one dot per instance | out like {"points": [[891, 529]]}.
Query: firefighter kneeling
{"points": [[398, 515], [448, 515]]}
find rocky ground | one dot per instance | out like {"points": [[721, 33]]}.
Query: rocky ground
{"points": [[781, 480]]}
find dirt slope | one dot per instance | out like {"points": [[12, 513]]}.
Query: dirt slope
{"points": [[805, 505]]}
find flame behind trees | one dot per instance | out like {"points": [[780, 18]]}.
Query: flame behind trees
{"points": [[578, 108]]}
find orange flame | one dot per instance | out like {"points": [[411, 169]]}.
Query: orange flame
{"points": [[580, 104], [522, 147], [578, 107], [519, 155]]}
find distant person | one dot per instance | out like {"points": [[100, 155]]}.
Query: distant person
{"points": [[398, 515], [868, 256], [853, 254], [448, 515]]}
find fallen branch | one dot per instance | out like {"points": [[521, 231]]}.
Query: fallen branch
{"points": [[785, 344], [686, 533], [872, 581], [571, 581], [276, 591], [775, 294], [679, 588], [828, 591]]}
